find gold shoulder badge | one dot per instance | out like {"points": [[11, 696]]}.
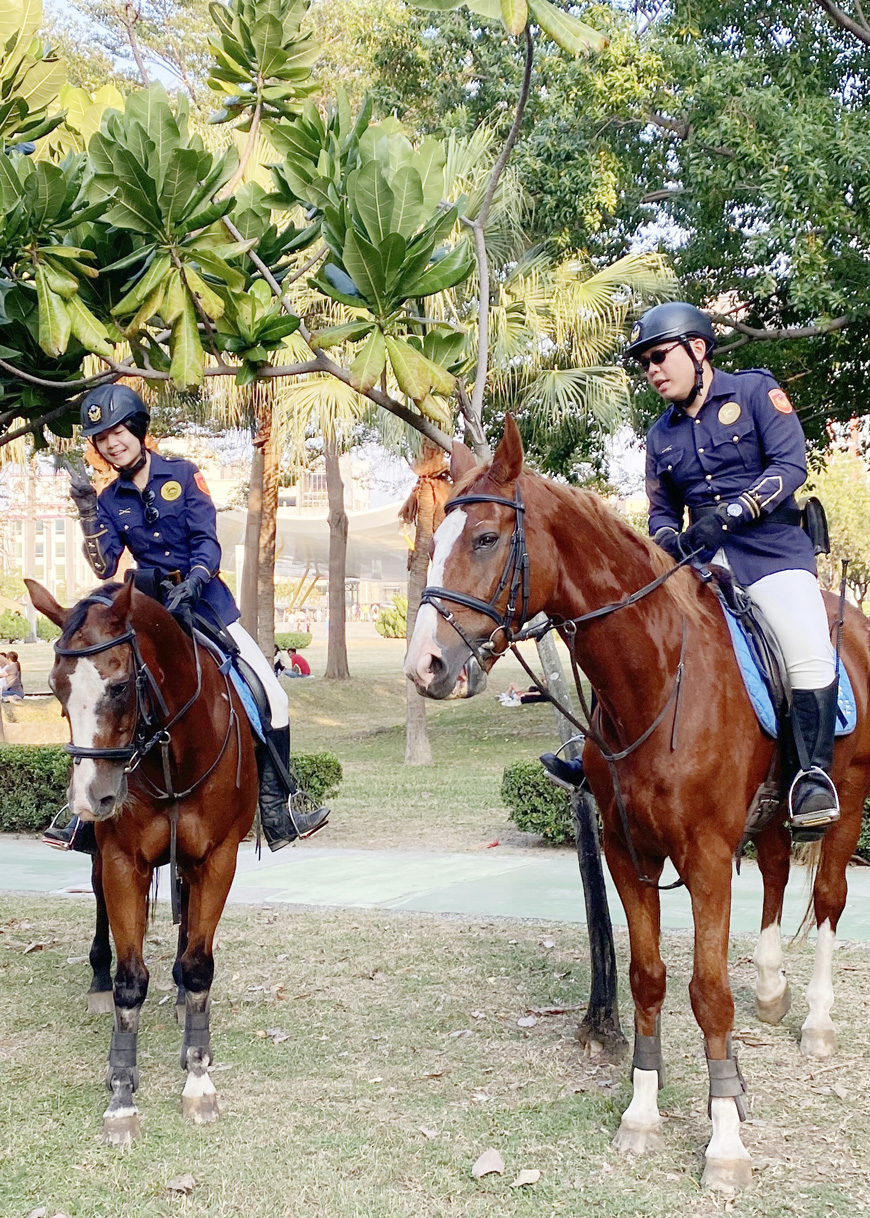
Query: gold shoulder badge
{"points": [[729, 413], [95, 413], [170, 490]]}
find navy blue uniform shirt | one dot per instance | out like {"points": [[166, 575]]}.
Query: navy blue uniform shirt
{"points": [[746, 437], [183, 535]]}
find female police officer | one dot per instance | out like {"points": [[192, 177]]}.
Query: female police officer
{"points": [[731, 449], [160, 510]]}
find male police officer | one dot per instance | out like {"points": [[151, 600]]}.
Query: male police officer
{"points": [[159, 509], [731, 450]]}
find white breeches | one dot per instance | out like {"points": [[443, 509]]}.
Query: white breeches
{"points": [[274, 690], [791, 601]]}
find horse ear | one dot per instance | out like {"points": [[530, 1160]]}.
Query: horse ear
{"points": [[462, 461], [44, 603], [122, 602], [507, 464]]}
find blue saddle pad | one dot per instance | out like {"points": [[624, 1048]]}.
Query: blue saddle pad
{"points": [[242, 689], [759, 695]]}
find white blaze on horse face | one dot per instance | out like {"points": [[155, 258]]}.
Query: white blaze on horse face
{"points": [[424, 644], [86, 686]]}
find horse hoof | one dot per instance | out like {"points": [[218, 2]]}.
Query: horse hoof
{"points": [[727, 1176], [200, 1109], [121, 1131], [592, 1047], [101, 1002], [773, 1010], [633, 1139], [818, 1042]]}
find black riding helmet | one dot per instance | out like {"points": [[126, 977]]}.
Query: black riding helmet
{"points": [[110, 405], [675, 319]]}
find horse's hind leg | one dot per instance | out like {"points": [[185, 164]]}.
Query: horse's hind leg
{"points": [[640, 1128], [818, 1034], [772, 996], [126, 899], [100, 999], [180, 995], [208, 893]]}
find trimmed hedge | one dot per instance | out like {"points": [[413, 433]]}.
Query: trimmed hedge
{"points": [[292, 638], [34, 780], [392, 622], [535, 805]]}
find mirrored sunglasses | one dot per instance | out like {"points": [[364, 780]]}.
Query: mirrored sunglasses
{"points": [[151, 513], [656, 357]]}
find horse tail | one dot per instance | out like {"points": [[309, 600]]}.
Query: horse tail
{"points": [[809, 856]]}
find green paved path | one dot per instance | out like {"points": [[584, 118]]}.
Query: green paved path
{"points": [[495, 883]]}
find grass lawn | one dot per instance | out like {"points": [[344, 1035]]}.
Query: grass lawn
{"points": [[365, 1061], [454, 804]]}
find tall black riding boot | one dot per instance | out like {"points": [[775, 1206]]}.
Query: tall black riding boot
{"points": [[813, 803], [76, 835], [281, 825]]}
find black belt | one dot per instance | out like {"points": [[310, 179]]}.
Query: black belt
{"points": [[784, 514]]}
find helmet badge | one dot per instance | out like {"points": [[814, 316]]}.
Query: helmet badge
{"points": [[95, 413], [635, 332]]}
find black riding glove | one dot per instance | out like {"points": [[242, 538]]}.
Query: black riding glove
{"points": [[187, 593], [704, 534], [81, 492], [668, 539]]}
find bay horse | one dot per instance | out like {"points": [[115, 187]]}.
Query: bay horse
{"points": [[671, 700], [164, 764]]}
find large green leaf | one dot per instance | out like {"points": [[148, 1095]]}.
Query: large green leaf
{"points": [[429, 161], [446, 273], [366, 369], [363, 263], [408, 206], [187, 361], [338, 285], [410, 367], [47, 189], [515, 15], [179, 183], [372, 199], [154, 276], [568, 32], [54, 322], [347, 332], [89, 331]]}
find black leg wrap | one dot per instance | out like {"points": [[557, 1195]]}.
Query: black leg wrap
{"points": [[196, 1034], [726, 1081], [122, 1060], [648, 1053]]}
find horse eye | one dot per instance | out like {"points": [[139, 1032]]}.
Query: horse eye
{"points": [[485, 541], [118, 689]]}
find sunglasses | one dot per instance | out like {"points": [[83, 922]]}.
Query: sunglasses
{"points": [[656, 357], [151, 513]]}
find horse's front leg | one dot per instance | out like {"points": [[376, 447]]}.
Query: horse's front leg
{"points": [[180, 995], [640, 1128], [818, 1034], [100, 999], [728, 1168], [772, 996], [126, 891], [209, 886]]}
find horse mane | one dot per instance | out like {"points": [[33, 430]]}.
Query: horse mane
{"points": [[76, 617]]}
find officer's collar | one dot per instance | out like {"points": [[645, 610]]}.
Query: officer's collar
{"points": [[723, 385]]}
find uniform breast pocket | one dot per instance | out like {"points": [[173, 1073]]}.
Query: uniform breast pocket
{"points": [[668, 465], [736, 446]]}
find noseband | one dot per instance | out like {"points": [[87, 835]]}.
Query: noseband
{"points": [[515, 577]]}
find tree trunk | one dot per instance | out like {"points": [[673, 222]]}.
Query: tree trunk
{"points": [[336, 653], [418, 751], [248, 589], [268, 530]]}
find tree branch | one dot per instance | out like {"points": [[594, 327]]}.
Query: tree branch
{"points": [[246, 155], [31, 427], [132, 16], [474, 416], [752, 334], [860, 29]]}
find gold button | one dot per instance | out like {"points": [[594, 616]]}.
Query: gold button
{"points": [[697, 422], [717, 497], [709, 477], [736, 439], [700, 450]]}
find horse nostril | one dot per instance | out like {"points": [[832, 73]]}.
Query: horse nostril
{"points": [[107, 803], [437, 667]]}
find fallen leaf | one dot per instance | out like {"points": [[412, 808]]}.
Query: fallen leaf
{"points": [[165, 998], [431, 1134], [39, 1212], [490, 1163], [463, 1032], [181, 1184], [34, 947], [840, 1091], [376, 1079], [435, 1074], [526, 1177], [72, 960], [277, 1035], [478, 1014], [548, 943], [527, 1021]]}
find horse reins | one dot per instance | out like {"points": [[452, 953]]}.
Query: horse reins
{"points": [[149, 696], [516, 574]]}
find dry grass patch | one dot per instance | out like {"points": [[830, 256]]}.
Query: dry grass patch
{"points": [[364, 1061]]}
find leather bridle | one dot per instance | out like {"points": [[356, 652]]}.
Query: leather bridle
{"points": [[514, 578]]}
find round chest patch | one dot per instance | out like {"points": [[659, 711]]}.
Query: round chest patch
{"points": [[779, 397], [729, 413], [170, 491]]}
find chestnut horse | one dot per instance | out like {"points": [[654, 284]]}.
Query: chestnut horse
{"points": [[667, 683], [164, 764]]}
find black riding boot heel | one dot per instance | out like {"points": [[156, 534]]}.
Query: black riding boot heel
{"points": [[812, 802], [76, 835], [281, 825]]}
